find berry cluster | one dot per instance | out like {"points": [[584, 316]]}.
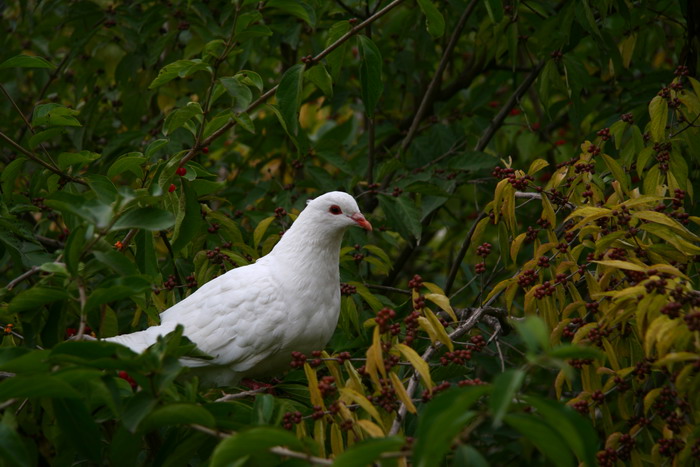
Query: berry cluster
{"points": [[483, 250], [416, 282], [478, 342], [170, 283], [298, 359], [604, 134], [347, 289], [213, 228], [383, 319], [585, 168], [572, 327], [411, 322], [543, 262], [581, 406], [642, 368], [280, 212], [290, 419], [458, 357], [470, 382], [669, 447], [397, 192], [607, 457], [215, 256], [531, 234], [544, 290], [672, 309], [386, 398], [527, 278], [327, 386], [428, 394], [579, 363], [692, 320], [191, 282]]}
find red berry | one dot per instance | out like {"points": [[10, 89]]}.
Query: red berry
{"points": [[181, 171], [205, 150], [172, 188]]}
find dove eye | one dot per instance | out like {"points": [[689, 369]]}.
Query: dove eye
{"points": [[335, 209]]}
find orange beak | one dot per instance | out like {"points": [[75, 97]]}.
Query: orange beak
{"points": [[361, 221]]}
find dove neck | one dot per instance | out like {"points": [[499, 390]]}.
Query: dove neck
{"points": [[310, 246]]}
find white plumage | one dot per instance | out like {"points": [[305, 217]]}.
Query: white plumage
{"points": [[251, 318]]}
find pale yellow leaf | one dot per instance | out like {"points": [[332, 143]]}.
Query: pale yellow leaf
{"points": [[420, 365], [371, 428], [401, 392], [443, 302], [439, 329], [354, 396], [314, 393]]}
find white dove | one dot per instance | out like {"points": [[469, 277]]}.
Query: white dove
{"points": [[251, 318]]}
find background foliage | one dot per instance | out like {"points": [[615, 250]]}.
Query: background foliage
{"points": [[526, 165]]}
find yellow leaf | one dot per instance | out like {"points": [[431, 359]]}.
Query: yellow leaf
{"points": [[434, 288], [548, 211], [320, 435], [336, 440], [375, 360], [675, 357], [611, 353], [650, 398], [498, 199], [354, 381], [627, 48], [614, 263], [658, 111], [314, 393], [401, 392], [333, 368], [260, 230], [478, 231], [536, 166], [515, 246], [431, 324], [420, 365], [499, 287], [362, 401], [652, 335], [443, 302], [661, 218], [371, 429]]}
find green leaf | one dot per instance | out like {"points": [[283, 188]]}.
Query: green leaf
{"points": [[289, 97], [335, 59], [67, 159], [145, 218], [617, 171], [450, 412], [658, 111], [252, 441], [320, 77], [296, 8], [573, 427], [260, 230], [153, 147], [250, 78], [189, 218], [433, 18], [12, 449], [78, 426], [54, 115], [33, 298], [241, 94], [131, 162], [505, 386], [544, 436], [26, 61], [244, 120], [467, 455], [177, 118], [401, 215], [568, 351], [137, 409], [45, 135], [368, 451], [39, 385], [180, 68], [370, 74], [494, 8], [533, 331], [179, 413]]}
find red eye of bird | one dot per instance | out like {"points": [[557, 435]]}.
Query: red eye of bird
{"points": [[335, 209]]}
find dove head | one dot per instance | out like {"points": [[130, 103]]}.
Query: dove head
{"points": [[335, 210]]}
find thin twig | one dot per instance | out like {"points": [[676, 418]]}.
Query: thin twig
{"points": [[461, 254], [437, 77], [25, 275], [38, 160], [83, 301], [270, 92], [242, 394]]}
